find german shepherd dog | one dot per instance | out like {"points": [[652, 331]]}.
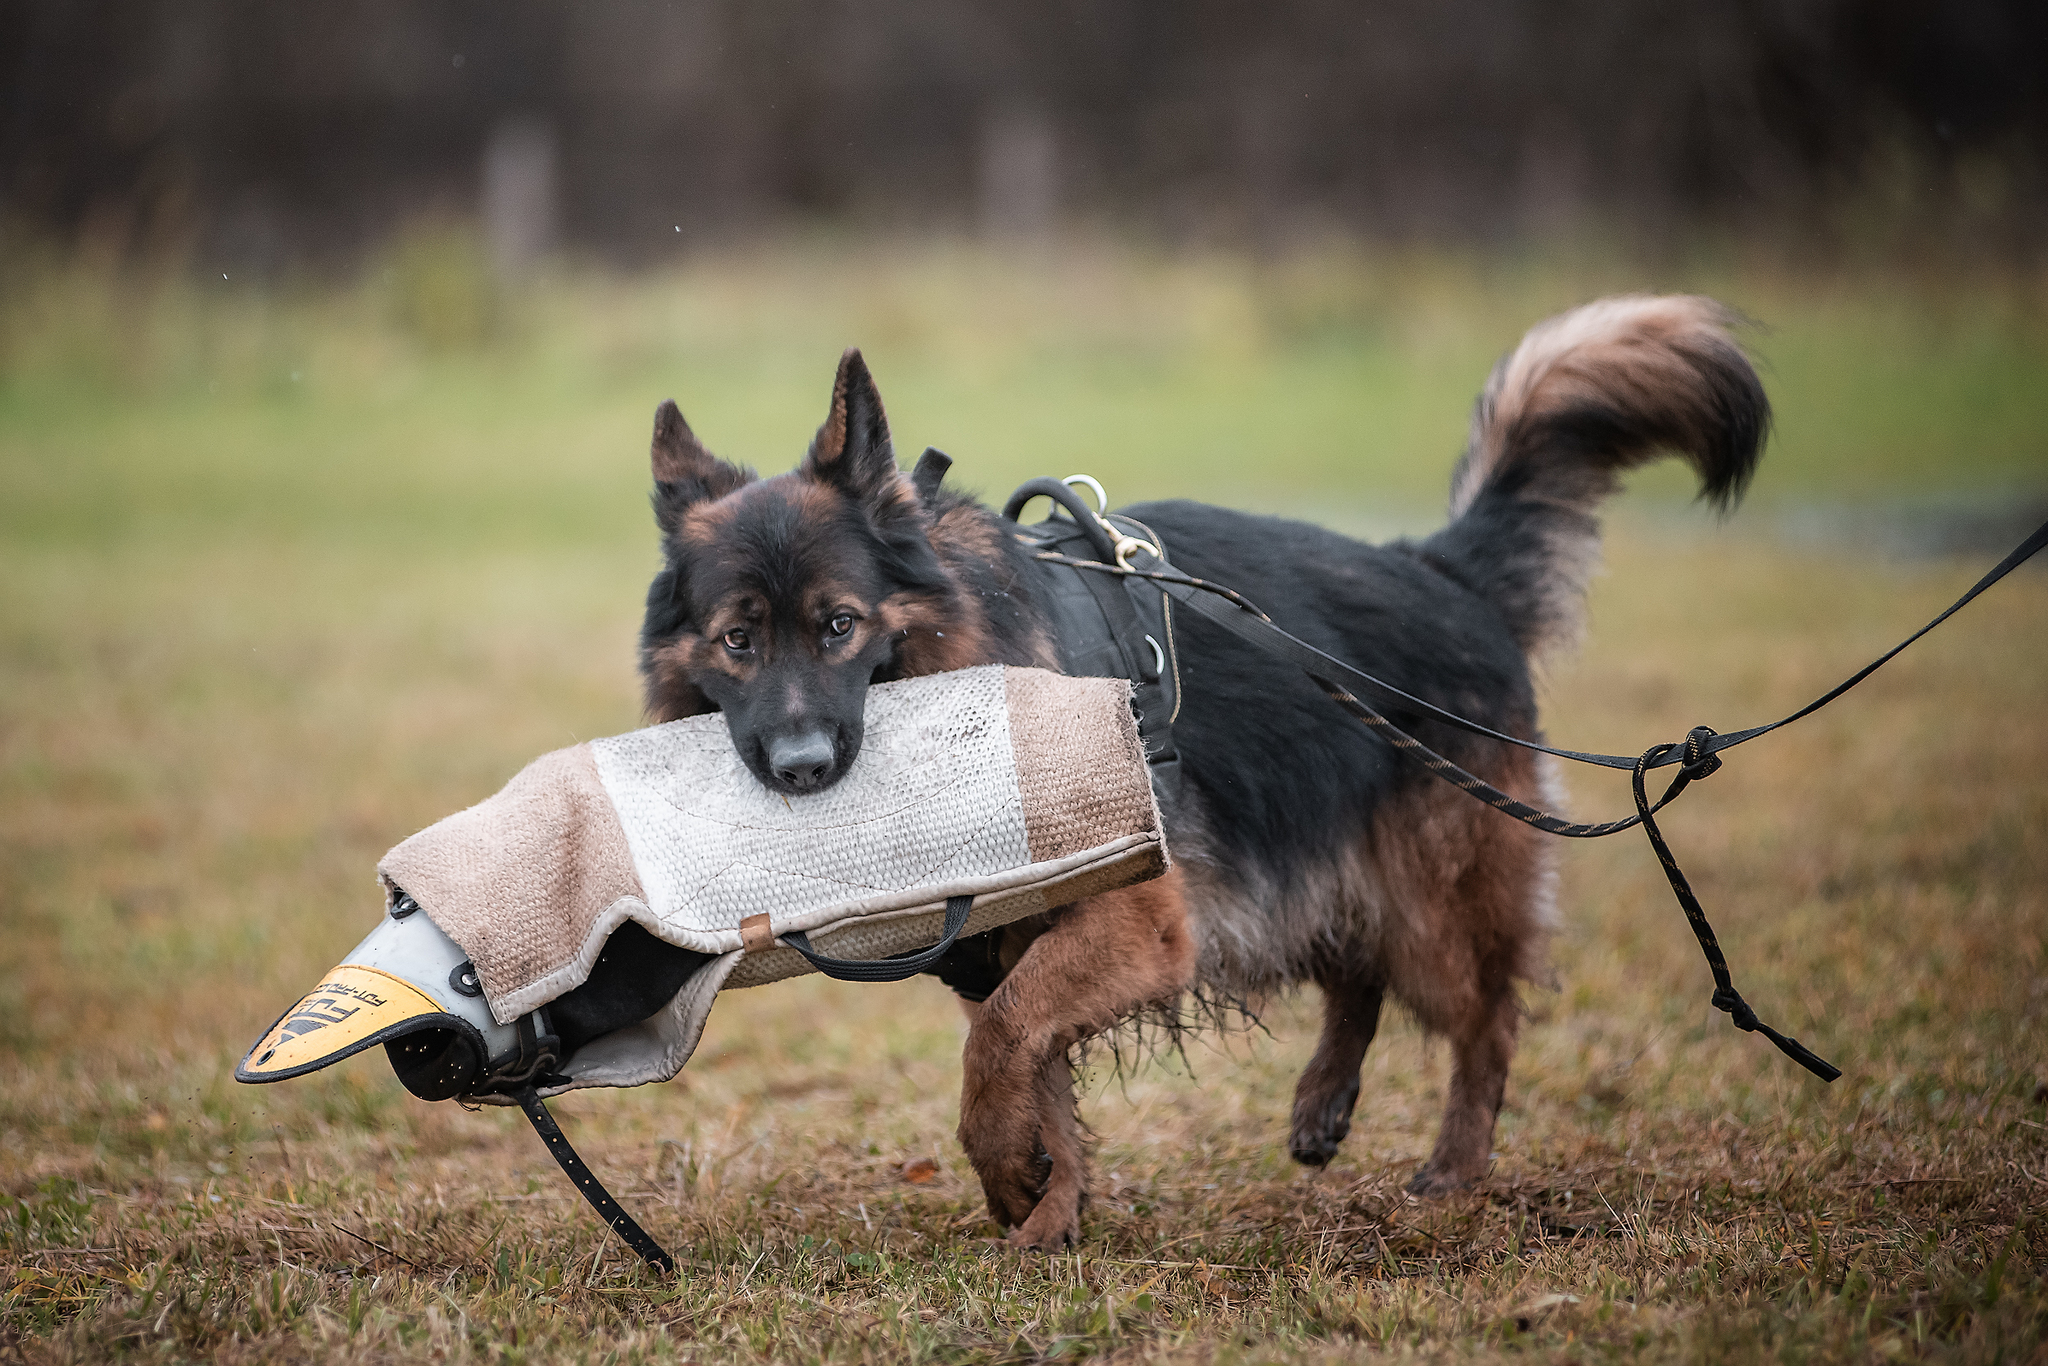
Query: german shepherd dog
{"points": [[1305, 849]]}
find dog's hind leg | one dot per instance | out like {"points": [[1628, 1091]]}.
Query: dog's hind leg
{"points": [[1328, 1089], [1488, 932], [1097, 963], [1474, 899], [1480, 1054]]}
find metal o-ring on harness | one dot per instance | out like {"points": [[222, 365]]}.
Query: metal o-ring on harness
{"points": [[1125, 544]]}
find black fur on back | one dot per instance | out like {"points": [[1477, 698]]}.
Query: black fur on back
{"points": [[1276, 764]]}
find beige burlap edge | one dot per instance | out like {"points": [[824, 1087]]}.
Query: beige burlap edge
{"points": [[514, 878], [1077, 752]]}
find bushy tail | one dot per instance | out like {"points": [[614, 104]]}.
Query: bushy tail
{"points": [[1587, 395]]}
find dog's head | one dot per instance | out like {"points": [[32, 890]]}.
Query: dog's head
{"points": [[782, 599]]}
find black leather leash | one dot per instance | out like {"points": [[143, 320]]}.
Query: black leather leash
{"points": [[608, 1209], [1699, 763], [1698, 754]]}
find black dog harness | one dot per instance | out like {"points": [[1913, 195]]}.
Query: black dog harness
{"points": [[1108, 625]]}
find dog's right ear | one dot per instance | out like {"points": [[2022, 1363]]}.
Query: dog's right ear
{"points": [[684, 472]]}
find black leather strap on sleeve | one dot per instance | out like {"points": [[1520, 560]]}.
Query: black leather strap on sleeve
{"points": [[608, 1209], [894, 969]]}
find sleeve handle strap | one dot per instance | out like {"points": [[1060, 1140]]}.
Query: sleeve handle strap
{"points": [[894, 969]]}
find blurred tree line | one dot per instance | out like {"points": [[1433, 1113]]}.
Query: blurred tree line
{"points": [[261, 136]]}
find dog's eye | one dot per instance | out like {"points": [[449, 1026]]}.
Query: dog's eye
{"points": [[840, 624], [736, 641]]}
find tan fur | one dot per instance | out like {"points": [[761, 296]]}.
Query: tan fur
{"points": [[957, 642], [671, 669], [1444, 905], [1093, 964], [830, 442], [1472, 927], [1636, 349], [963, 537], [677, 455], [704, 523]]}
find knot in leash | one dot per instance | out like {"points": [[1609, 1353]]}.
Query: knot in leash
{"points": [[1700, 762], [1729, 1001]]}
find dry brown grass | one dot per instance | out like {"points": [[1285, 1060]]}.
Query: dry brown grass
{"points": [[218, 707], [191, 850]]}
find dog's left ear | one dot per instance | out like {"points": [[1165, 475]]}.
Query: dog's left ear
{"points": [[853, 449]]}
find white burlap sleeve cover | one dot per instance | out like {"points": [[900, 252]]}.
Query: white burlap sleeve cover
{"points": [[1022, 788]]}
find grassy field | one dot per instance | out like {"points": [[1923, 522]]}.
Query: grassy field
{"points": [[290, 574]]}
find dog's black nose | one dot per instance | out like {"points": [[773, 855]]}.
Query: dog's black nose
{"points": [[803, 761]]}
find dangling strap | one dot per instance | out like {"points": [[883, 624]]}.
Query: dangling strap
{"points": [[886, 969], [1700, 762], [593, 1189], [846, 969]]}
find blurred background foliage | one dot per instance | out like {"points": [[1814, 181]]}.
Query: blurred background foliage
{"points": [[408, 254], [256, 139]]}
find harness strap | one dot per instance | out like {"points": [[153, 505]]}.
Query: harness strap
{"points": [[608, 1209], [1698, 755], [1125, 632]]}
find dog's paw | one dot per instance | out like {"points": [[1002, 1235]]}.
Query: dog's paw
{"points": [[1322, 1116], [1432, 1183], [1013, 1185], [1048, 1229], [1316, 1137], [1313, 1149]]}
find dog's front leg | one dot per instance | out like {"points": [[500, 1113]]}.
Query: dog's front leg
{"points": [[1098, 962]]}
